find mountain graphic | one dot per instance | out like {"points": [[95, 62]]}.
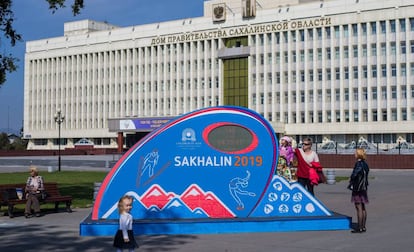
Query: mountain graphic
{"points": [[178, 209], [194, 197], [156, 196]]}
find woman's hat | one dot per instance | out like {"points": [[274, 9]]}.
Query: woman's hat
{"points": [[287, 139]]}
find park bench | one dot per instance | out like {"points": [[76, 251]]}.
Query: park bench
{"points": [[51, 189]]}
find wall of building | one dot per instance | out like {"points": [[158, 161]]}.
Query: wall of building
{"points": [[329, 69]]}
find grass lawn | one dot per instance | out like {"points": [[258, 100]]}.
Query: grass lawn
{"points": [[78, 184]]}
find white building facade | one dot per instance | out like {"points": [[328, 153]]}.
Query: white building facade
{"points": [[339, 69]]}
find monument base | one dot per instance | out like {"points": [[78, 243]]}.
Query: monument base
{"points": [[89, 227]]}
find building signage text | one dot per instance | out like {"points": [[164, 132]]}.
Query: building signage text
{"points": [[242, 31]]}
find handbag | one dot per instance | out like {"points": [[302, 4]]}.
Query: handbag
{"points": [[322, 177], [43, 195]]}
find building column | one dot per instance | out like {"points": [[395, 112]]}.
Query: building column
{"points": [[120, 142]]}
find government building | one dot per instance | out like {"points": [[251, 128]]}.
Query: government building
{"points": [[337, 70]]}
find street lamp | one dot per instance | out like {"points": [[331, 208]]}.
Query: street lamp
{"points": [[59, 118]]}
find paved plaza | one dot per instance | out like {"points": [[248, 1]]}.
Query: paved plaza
{"points": [[389, 226]]}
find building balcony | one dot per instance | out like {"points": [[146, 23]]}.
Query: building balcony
{"points": [[234, 52]]}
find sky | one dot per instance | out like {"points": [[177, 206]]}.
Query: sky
{"points": [[34, 20]]}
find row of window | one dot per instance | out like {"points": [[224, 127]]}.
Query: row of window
{"points": [[345, 95], [374, 115], [329, 53], [83, 111], [339, 31], [345, 73]]}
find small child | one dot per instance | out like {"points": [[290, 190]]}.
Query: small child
{"points": [[286, 150], [124, 237], [283, 170]]}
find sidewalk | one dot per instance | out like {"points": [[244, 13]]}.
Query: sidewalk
{"points": [[389, 227]]}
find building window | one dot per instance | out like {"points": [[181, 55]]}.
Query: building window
{"points": [[328, 51], [412, 24], [310, 53], [384, 93], [337, 73], [365, 71], [302, 76], [355, 30], [346, 73], [336, 29], [302, 35], [365, 93], [402, 25], [355, 51], [384, 70], [374, 49], [319, 33], [374, 93], [394, 92], [355, 72], [393, 70], [364, 115], [328, 32], [364, 29], [374, 115], [383, 27], [393, 48], [346, 94], [373, 28], [337, 94], [345, 29], [374, 71], [403, 69], [403, 47], [392, 26], [319, 95], [320, 74], [404, 114], [364, 50], [404, 92], [383, 49], [346, 52], [336, 52]]}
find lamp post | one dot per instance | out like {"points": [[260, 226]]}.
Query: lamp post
{"points": [[59, 118]]}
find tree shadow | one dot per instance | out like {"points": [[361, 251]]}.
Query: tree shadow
{"points": [[31, 236]]}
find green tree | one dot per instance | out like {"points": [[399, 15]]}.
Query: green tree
{"points": [[7, 61], [4, 141]]}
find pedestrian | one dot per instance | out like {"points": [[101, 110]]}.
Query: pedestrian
{"points": [[358, 183], [286, 150], [34, 190], [124, 237], [308, 162]]}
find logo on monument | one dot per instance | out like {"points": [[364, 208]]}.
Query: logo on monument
{"points": [[188, 139]]}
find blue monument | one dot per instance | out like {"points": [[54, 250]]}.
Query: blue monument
{"points": [[208, 171]]}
